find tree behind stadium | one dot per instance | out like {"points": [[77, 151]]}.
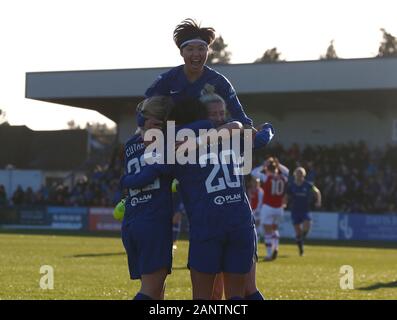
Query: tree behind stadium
{"points": [[3, 119], [388, 47], [218, 53], [331, 52], [270, 55]]}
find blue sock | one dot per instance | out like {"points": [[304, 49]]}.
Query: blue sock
{"points": [[236, 298], [141, 296], [255, 296]]}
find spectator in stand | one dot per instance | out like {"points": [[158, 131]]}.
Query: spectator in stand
{"points": [[3, 196], [39, 197], [351, 177], [29, 196], [18, 197]]}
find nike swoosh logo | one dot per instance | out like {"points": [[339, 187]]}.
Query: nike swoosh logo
{"points": [[173, 91]]}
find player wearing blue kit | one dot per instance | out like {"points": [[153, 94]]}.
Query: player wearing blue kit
{"points": [[147, 223], [214, 228], [216, 107], [190, 80], [222, 235], [300, 193]]}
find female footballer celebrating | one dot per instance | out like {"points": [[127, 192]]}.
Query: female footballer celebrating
{"points": [[216, 108], [148, 211], [222, 237], [147, 221], [188, 80]]}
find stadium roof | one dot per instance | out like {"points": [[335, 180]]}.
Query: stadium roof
{"points": [[363, 83], [45, 150]]}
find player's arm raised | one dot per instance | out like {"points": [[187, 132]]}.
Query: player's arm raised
{"points": [[265, 133], [318, 197], [283, 169], [258, 173]]}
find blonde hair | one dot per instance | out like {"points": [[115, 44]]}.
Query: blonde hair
{"points": [[301, 169], [208, 95], [157, 107]]}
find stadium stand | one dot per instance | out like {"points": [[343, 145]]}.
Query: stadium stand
{"points": [[352, 178], [98, 187], [52, 150]]}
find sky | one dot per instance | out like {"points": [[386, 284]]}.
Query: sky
{"points": [[58, 35]]}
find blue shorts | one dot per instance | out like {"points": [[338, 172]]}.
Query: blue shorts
{"points": [[148, 247], [232, 252], [300, 217]]}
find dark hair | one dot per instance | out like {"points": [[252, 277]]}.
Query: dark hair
{"points": [[189, 29], [187, 111], [272, 166]]}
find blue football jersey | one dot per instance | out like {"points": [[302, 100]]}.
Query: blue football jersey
{"points": [[174, 83], [300, 196], [152, 201], [213, 195]]}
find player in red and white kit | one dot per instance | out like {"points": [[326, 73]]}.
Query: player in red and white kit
{"points": [[274, 184], [255, 196]]}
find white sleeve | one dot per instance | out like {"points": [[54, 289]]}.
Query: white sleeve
{"points": [[284, 170], [256, 173]]}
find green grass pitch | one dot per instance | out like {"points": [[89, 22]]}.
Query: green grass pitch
{"points": [[95, 267]]}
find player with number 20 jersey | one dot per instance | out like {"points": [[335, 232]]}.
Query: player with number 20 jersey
{"points": [[217, 207]]}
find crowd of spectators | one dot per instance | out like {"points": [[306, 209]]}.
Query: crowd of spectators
{"points": [[351, 178], [98, 187]]}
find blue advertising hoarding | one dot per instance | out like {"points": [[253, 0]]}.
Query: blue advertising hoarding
{"points": [[9, 215], [367, 227], [68, 218], [326, 225], [33, 216]]}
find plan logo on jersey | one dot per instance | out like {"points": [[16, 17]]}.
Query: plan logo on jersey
{"points": [[219, 200], [138, 200], [232, 198]]}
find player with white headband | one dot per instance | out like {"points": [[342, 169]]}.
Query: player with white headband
{"points": [[190, 79]]}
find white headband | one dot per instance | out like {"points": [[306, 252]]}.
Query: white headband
{"points": [[191, 41]]}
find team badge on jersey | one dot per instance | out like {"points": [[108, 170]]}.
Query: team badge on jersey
{"points": [[208, 88]]}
